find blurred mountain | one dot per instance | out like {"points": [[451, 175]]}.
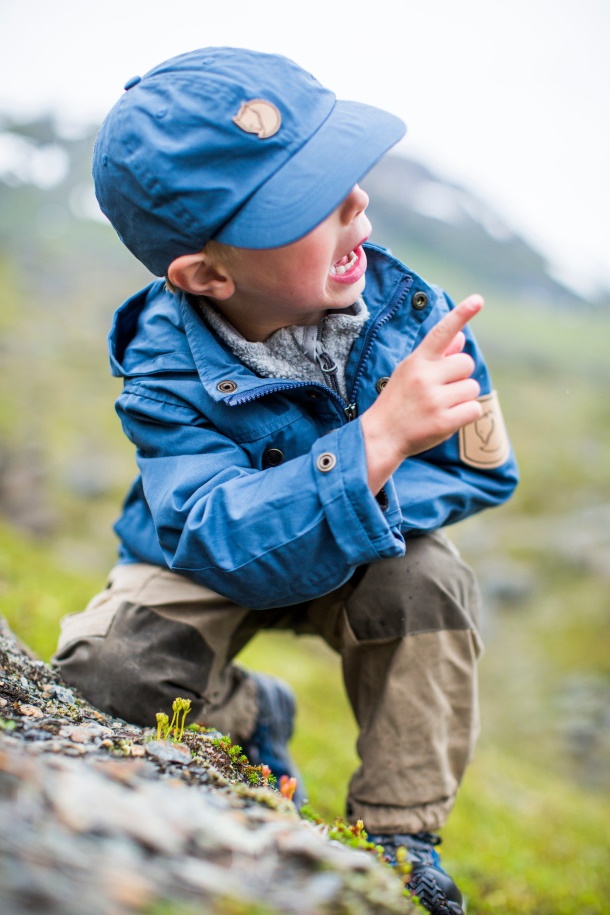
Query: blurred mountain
{"points": [[451, 236]]}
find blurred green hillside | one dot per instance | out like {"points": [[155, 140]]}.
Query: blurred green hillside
{"points": [[529, 833]]}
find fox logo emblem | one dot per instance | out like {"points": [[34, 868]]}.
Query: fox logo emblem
{"points": [[260, 117], [484, 443]]}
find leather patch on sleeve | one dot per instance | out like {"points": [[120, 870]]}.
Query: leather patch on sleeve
{"points": [[484, 443]]}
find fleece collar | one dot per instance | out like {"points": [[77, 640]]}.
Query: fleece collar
{"points": [[290, 352]]}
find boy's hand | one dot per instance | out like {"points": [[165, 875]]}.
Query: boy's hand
{"points": [[429, 396]]}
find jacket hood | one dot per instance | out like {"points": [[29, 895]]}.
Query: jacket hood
{"points": [[159, 332], [148, 335]]}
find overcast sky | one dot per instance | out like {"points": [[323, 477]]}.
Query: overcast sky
{"points": [[511, 98]]}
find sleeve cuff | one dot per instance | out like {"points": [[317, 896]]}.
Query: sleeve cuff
{"points": [[362, 528]]}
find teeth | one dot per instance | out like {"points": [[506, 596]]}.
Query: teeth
{"points": [[344, 264]]}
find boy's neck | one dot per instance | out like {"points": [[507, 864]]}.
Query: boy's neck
{"points": [[255, 328]]}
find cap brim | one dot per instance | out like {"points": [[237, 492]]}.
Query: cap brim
{"points": [[314, 181]]}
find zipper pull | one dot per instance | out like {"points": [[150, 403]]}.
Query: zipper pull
{"points": [[351, 411], [329, 367]]}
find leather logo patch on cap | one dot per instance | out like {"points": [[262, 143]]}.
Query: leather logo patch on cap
{"points": [[260, 117], [484, 443]]}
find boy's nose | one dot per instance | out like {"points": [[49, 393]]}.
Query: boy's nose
{"points": [[355, 203]]}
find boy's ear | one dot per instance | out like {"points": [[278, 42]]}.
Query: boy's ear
{"points": [[197, 274]]}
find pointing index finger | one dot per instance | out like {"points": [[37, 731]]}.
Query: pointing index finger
{"points": [[439, 338]]}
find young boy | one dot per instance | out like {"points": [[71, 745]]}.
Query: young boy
{"points": [[301, 438]]}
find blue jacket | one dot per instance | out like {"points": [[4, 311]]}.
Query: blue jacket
{"points": [[208, 504]]}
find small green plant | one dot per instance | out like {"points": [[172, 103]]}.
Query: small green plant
{"points": [[352, 834], [233, 750], [175, 727], [267, 775], [253, 774], [162, 726], [403, 866]]}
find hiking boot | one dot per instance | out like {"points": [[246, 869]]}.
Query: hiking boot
{"points": [[272, 731], [428, 880]]}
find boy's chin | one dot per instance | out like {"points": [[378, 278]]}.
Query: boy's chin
{"points": [[347, 295]]}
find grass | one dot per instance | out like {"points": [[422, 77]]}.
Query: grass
{"points": [[35, 591], [523, 840]]}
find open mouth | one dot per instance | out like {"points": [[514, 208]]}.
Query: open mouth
{"points": [[350, 267]]}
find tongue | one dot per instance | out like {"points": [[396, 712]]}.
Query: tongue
{"points": [[342, 261]]}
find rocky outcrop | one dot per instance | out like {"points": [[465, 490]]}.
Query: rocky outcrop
{"points": [[99, 816]]}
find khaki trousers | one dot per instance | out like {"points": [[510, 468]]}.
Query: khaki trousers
{"points": [[407, 634]]}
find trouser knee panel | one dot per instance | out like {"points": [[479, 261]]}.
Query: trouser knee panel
{"points": [[429, 589], [140, 666]]}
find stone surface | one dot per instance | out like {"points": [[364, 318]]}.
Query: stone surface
{"points": [[100, 816]]}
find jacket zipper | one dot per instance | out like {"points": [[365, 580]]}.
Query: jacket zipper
{"points": [[350, 410]]}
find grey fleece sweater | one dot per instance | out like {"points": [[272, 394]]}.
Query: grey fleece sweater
{"points": [[292, 352]]}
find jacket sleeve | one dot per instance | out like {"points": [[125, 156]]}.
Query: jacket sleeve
{"points": [[437, 488], [263, 538]]}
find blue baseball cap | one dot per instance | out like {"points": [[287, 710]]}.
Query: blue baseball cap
{"points": [[234, 145]]}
